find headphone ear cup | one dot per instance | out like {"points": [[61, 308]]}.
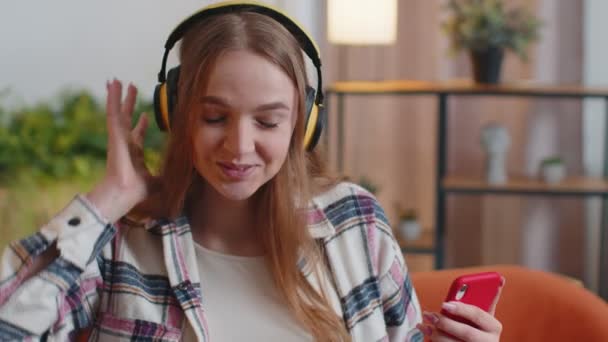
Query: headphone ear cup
{"points": [[165, 99], [172, 81], [314, 120], [310, 101], [160, 107], [318, 128]]}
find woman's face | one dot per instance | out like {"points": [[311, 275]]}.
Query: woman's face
{"points": [[244, 124]]}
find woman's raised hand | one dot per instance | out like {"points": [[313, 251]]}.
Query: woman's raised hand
{"points": [[127, 180]]}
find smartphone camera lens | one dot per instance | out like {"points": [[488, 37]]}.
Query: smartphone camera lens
{"points": [[461, 291]]}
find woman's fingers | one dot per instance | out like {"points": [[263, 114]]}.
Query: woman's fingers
{"points": [[121, 137], [438, 336], [116, 138], [120, 112], [113, 104], [433, 334], [484, 326], [449, 327], [139, 132], [477, 316], [425, 329], [128, 104]]}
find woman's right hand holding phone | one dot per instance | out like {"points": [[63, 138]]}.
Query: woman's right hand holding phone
{"points": [[483, 327], [126, 181]]}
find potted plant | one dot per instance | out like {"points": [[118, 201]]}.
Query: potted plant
{"points": [[485, 28], [409, 228], [553, 170], [370, 186]]}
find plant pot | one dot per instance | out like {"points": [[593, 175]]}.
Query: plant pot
{"points": [[486, 65], [409, 229], [553, 173]]}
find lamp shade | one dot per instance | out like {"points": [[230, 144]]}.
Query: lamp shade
{"points": [[362, 22]]}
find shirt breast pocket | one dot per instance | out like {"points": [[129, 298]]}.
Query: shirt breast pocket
{"points": [[112, 328]]}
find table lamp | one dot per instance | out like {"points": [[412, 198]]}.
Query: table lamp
{"points": [[359, 23], [362, 22]]}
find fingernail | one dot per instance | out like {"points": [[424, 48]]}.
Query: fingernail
{"points": [[425, 329], [431, 317], [450, 307]]}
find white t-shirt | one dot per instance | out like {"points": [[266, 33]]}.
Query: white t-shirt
{"points": [[241, 302]]}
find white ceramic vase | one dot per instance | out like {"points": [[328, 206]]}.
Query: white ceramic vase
{"points": [[410, 230], [495, 140], [496, 170]]}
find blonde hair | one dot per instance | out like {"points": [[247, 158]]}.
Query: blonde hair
{"points": [[285, 235]]}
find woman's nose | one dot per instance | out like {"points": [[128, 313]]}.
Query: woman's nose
{"points": [[240, 137]]}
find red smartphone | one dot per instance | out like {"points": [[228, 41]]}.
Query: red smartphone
{"points": [[478, 289]]}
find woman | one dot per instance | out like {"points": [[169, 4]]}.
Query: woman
{"points": [[240, 236]]}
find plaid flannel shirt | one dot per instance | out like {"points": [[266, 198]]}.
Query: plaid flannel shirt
{"points": [[142, 281]]}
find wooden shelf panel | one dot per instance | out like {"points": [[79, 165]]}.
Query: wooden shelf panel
{"points": [[423, 245], [570, 186], [465, 87]]}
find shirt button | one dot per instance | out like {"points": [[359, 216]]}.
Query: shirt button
{"points": [[74, 221]]}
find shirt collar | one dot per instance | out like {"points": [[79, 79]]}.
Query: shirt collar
{"points": [[319, 225]]}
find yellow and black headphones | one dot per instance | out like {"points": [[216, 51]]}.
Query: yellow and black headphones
{"points": [[165, 93]]}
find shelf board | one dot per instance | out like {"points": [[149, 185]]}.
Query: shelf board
{"points": [[423, 245], [465, 87], [576, 186]]}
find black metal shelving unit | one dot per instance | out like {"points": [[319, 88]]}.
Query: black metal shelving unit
{"points": [[443, 91]]}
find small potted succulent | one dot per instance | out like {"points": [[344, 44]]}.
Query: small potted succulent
{"points": [[553, 170], [485, 28], [409, 228]]}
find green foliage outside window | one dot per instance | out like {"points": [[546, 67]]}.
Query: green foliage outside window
{"points": [[51, 151], [44, 143]]}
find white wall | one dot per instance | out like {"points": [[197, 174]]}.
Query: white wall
{"points": [[49, 45], [595, 74]]}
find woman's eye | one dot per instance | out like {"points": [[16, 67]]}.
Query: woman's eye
{"points": [[214, 120], [267, 124]]}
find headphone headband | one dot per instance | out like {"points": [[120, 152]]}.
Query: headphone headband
{"points": [[165, 93], [306, 43]]}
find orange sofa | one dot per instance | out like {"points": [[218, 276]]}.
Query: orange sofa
{"points": [[534, 306]]}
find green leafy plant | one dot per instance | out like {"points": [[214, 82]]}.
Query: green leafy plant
{"points": [[405, 214], [478, 25], [554, 160], [52, 150], [61, 142], [367, 183], [408, 215]]}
